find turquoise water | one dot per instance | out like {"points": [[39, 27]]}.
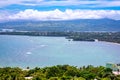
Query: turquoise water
{"points": [[23, 51]]}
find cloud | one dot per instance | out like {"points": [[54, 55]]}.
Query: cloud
{"points": [[4, 3], [89, 3], [68, 14]]}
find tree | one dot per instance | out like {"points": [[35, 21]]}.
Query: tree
{"points": [[105, 79], [54, 78]]}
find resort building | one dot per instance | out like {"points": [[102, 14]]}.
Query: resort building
{"points": [[115, 68], [7, 30], [28, 78]]}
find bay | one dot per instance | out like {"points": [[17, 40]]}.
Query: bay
{"points": [[32, 51]]}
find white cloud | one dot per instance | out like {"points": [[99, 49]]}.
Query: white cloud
{"points": [[109, 3], [17, 2], [96, 3], [68, 14]]}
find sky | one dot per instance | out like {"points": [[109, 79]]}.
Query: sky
{"points": [[59, 9]]}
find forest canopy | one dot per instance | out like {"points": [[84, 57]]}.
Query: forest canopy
{"points": [[59, 72]]}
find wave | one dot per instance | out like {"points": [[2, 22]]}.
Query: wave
{"points": [[28, 53]]}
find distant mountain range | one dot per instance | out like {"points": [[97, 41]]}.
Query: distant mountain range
{"points": [[65, 25]]}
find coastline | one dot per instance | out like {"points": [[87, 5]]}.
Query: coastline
{"points": [[64, 37], [110, 42], [29, 54]]}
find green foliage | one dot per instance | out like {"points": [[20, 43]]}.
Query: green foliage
{"points": [[79, 78], [105, 79], [11, 74], [66, 78], [54, 78], [71, 71], [59, 72]]}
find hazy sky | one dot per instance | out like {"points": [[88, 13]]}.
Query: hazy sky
{"points": [[59, 9]]}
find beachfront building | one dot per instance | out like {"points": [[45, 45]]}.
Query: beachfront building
{"points": [[28, 78], [7, 30], [115, 68]]}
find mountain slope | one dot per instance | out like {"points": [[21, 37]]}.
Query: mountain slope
{"points": [[67, 25]]}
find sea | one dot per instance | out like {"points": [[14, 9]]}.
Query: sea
{"points": [[41, 51]]}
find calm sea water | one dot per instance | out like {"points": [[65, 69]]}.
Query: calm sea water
{"points": [[23, 51]]}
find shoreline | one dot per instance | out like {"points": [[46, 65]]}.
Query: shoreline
{"points": [[99, 42], [110, 42], [61, 36]]}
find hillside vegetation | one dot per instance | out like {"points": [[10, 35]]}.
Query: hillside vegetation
{"points": [[65, 25], [59, 72]]}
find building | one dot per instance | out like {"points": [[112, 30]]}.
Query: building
{"points": [[28, 78], [115, 68], [7, 30], [96, 40]]}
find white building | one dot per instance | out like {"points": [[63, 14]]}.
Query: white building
{"points": [[28, 78], [7, 30], [115, 68]]}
